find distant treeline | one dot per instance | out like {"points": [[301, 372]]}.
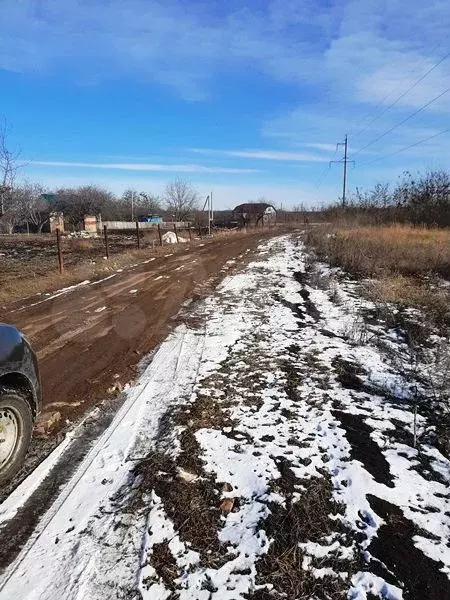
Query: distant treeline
{"points": [[423, 199], [30, 205]]}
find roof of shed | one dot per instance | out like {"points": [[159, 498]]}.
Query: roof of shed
{"points": [[253, 207]]}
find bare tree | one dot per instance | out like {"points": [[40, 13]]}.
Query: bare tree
{"points": [[34, 207], [14, 211], [76, 203], [144, 203], [9, 164], [181, 199]]}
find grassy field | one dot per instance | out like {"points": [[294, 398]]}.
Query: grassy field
{"points": [[407, 264]]}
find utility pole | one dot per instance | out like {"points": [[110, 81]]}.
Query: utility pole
{"points": [[209, 204], [211, 213], [343, 161]]}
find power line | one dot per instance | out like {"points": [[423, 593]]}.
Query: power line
{"points": [[416, 112], [323, 175], [325, 172], [430, 137], [380, 104], [402, 95]]}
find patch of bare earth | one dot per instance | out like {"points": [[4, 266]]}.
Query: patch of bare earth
{"points": [[281, 573], [192, 498]]}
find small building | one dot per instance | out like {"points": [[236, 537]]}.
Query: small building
{"points": [[90, 224], [150, 219], [255, 213], [56, 221]]}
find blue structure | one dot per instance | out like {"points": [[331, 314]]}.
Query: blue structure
{"points": [[150, 219]]}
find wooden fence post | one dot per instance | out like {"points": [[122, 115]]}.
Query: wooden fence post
{"points": [[105, 231], [60, 254], [160, 236], [137, 235], [190, 232], [176, 232]]}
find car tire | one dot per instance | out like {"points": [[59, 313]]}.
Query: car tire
{"points": [[16, 428]]}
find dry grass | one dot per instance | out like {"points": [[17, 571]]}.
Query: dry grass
{"points": [[281, 571], [374, 251], [410, 291], [404, 261], [36, 283]]}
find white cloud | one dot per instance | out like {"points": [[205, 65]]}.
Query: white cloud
{"points": [[321, 146], [354, 50], [275, 155], [342, 59], [148, 39], [167, 168]]}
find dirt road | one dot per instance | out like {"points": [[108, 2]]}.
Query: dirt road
{"points": [[91, 339]]}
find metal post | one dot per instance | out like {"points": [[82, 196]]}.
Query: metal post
{"points": [[137, 235], [176, 232], [132, 205], [105, 231], [212, 209], [209, 214], [345, 171], [344, 161], [160, 236], [60, 254]]}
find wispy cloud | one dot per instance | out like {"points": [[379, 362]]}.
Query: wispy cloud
{"points": [[370, 45], [275, 155], [320, 146], [326, 69], [183, 168]]}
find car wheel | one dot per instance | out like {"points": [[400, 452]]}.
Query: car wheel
{"points": [[16, 427]]}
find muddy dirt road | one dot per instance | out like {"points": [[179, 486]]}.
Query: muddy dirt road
{"points": [[91, 339]]}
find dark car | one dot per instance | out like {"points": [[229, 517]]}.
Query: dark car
{"points": [[20, 399]]}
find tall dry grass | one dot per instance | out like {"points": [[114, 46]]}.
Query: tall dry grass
{"points": [[381, 250], [406, 263]]}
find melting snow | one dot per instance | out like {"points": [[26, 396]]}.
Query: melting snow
{"points": [[274, 349]]}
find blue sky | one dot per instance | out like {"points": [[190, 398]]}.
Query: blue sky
{"points": [[246, 99]]}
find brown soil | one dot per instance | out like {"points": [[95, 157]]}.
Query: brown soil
{"points": [[93, 338], [80, 353], [393, 546], [280, 572], [363, 448]]}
